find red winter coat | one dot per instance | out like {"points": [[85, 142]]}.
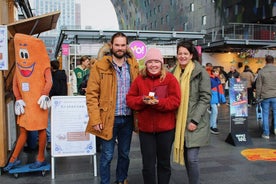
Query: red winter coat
{"points": [[159, 117]]}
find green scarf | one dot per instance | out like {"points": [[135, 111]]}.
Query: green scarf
{"points": [[182, 114]]}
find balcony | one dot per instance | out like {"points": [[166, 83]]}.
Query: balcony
{"points": [[236, 36]]}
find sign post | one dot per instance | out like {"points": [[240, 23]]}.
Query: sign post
{"points": [[238, 135], [69, 118]]}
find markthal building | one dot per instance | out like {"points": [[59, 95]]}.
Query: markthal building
{"points": [[236, 32]]}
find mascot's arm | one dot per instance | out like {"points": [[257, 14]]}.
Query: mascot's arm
{"points": [[19, 107], [44, 100], [48, 82], [15, 89]]}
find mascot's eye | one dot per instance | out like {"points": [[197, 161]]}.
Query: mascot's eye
{"points": [[24, 54]]}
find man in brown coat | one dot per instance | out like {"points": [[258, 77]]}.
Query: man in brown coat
{"points": [[109, 117]]}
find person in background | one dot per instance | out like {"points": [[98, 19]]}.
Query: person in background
{"points": [[255, 80], [247, 75], [109, 116], [217, 99], [256, 74], [233, 73], [222, 76], [82, 70], [59, 88], [208, 68], [73, 83], [266, 90], [155, 95], [192, 125], [83, 85]]}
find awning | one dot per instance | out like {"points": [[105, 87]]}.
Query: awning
{"points": [[35, 25]]}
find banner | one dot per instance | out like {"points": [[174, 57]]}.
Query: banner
{"points": [[238, 135], [139, 49]]}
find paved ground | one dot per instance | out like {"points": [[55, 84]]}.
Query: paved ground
{"points": [[221, 163]]}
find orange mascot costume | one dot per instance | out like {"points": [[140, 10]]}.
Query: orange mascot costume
{"points": [[32, 83]]}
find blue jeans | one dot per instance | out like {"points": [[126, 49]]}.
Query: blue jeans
{"points": [[266, 103], [192, 164], [214, 115], [122, 131]]}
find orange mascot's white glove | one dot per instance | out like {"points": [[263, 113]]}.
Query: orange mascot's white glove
{"points": [[19, 107], [44, 102]]}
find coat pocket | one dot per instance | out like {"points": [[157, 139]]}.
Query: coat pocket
{"points": [[103, 106]]}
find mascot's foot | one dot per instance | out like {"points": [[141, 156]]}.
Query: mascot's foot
{"points": [[11, 165], [37, 164]]}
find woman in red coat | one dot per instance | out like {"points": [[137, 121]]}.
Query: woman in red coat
{"points": [[155, 96]]}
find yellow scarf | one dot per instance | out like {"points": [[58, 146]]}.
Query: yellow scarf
{"points": [[184, 80]]}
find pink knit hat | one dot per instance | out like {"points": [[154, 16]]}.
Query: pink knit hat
{"points": [[154, 54]]}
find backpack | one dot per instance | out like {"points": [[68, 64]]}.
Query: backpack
{"points": [[59, 87]]}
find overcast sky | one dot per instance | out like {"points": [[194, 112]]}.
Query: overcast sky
{"points": [[99, 14]]}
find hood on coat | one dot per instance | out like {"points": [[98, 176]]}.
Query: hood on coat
{"points": [[105, 50]]}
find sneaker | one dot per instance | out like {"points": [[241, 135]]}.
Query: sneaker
{"points": [[12, 165], [214, 131], [265, 136], [37, 164]]}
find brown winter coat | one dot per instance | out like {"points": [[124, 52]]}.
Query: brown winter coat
{"points": [[101, 92]]}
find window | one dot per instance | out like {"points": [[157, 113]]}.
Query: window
{"points": [[185, 26], [226, 12], [167, 18], [192, 7], [159, 8], [171, 2], [204, 20], [236, 9]]}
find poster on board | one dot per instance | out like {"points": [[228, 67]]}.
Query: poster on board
{"points": [[238, 97], [69, 118]]}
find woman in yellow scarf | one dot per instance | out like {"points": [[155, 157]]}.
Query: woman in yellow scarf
{"points": [[192, 125]]}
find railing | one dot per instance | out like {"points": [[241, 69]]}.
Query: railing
{"points": [[241, 31]]}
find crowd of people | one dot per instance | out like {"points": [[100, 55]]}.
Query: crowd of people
{"points": [[173, 111]]}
